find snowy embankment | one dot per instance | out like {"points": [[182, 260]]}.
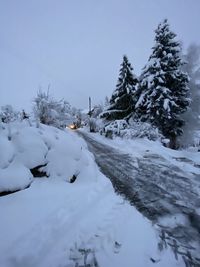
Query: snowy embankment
{"points": [[23, 148], [56, 223]]}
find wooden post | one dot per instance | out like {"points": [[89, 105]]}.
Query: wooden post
{"points": [[90, 106], [90, 113]]}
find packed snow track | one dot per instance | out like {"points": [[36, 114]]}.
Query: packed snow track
{"points": [[160, 191]]}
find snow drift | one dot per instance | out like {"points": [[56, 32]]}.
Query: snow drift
{"points": [[24, 147]]}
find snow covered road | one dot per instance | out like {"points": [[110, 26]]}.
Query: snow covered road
{"points": [[160, 190]]}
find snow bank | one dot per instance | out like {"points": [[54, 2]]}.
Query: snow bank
{"points": [[23, 147], [14, 177], [6, 151], [29, 147]]}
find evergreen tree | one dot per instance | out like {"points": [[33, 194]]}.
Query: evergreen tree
{"points": [[121, 102], [163, 90]]}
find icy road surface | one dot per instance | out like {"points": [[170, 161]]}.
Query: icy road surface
{"points": [[161, 191]]}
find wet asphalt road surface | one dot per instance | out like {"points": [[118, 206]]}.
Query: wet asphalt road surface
{"points": [[160, 191]]}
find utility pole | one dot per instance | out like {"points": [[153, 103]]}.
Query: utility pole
{"points": [[90, 106], [90, 113]]}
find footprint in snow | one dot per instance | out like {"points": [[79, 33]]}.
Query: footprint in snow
{"points": [[153, 260], [48, 146], [11, 159]]}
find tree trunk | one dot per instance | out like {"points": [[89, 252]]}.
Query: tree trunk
{"points": [[172, 143]]}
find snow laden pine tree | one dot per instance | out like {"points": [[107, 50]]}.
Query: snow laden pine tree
{"points": [[163, 90], [121, 102]]}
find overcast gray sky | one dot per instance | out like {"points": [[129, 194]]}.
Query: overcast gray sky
{"points": [[76, 46]]}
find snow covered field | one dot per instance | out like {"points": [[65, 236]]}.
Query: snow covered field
{"points": [[57, 223]]}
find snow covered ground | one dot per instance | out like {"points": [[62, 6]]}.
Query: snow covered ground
{"points": [[61, 224], [162, 183], [186, 159]]}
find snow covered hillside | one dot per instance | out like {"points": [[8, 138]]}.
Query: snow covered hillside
{"points": [[56, 223]]}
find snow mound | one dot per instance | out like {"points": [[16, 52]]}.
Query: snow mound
{"points": [[23, 147], [6, 151], [15, 177], [29, 146]]}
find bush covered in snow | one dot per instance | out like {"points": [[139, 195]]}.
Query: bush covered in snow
{"points": [[115, 128], [142, 130], [52, 112], [8, 114], [95, 124], [133, 129], [24, 147]]}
